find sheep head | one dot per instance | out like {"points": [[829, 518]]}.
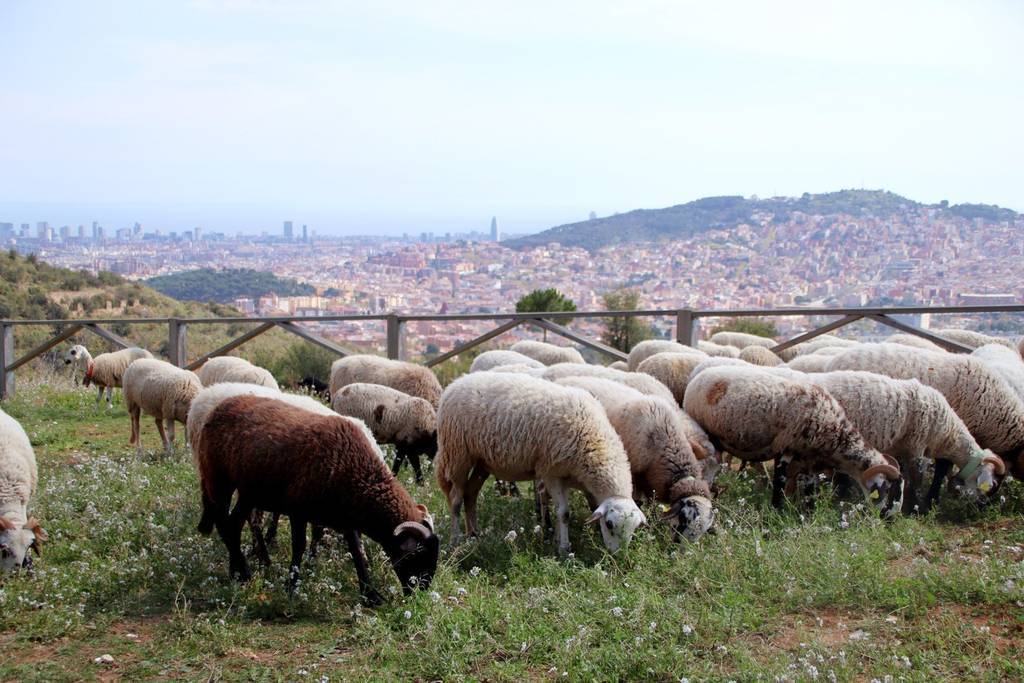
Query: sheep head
{"points": [[618, 519], [691, 517], [15, 543], [883, 485], [983, 472], [413, 550], [77, 354]]}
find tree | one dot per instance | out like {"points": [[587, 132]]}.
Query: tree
{"points": [[623, 333], [549, 299], [758, 326]]}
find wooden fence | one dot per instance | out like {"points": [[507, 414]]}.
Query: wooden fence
{"points": [[686, 326]]}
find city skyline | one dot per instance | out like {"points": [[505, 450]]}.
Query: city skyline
{"points": [[380, 120]]}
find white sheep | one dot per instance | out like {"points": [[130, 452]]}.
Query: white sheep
{"points": [[759, 355], [1005, 363], [970, 338], [759, 413], [741, 340], [909, 421], [672, 369], [408, 378], [522, 428], [520, 369], [811, 362], [105, 370], [992, 411], [649, 347], [488, 360], [546, 353], [161, 390], [660, 457], [619, 365], [821, 341], [913, 340], [645, 384], [18, 478], [234, 369], [713, 349], [408, 422]]}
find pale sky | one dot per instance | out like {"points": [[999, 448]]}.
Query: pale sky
{"points": [[365, 117]]}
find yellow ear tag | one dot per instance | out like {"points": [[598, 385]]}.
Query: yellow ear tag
{"points": [[874, 495], [665, 508], [984, 486]]}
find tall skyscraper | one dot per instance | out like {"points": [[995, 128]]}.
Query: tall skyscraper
{"points": [[41, 228], [197, 233], [288, 232], [495, 233], [305, 233], [95, 230]]}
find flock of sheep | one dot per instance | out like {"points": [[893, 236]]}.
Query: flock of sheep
{"points": [[662, 425]]}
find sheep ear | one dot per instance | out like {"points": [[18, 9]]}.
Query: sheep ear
{"points": [[428, 519], [596, 516], [6, 524], [37, 530], [378, 412]]}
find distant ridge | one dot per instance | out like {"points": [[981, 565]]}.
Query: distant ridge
{"points": [[711, 213]]}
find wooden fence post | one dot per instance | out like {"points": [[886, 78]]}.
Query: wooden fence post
{"points": [[6, 358], [177, 344], [685, 327], [395, 338]]}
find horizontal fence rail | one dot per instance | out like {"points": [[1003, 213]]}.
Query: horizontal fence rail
{"points": [[686, 328]]}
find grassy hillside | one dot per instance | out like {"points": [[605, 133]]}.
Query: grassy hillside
{"points": [[831, 595], [685, 220], [224, 286], [32, 289]]}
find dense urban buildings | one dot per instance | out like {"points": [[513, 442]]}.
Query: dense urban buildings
{"points": [[924, 257]]}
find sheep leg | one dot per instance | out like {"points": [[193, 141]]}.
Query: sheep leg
{"points": [[110, 397], [366, 591], [779, 481], [271, 535], [942, 468], [414, 460], [472, 491], [99, 396], [455, 503], [169, 445], [163, 434], [913, 477], [541, 502], [298, 526], [316, 536], [397, 465], [259, 545], [231, 533], [133, 412], [560, 494]]}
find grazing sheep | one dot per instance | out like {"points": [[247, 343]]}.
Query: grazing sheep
{"points": [[649, 347], [971, 339], [521, 369], [713, 349], [161, 390], [910, 421], [758, 413], [812, 362], [828, 350], [645, 384], [19, 533], [1005, 363], [673, 370], [741, 340], [488, 360], [522, 428], [408, 422], [319, 469], [660, 457], [234, 369], [548, 354], [992, 411], [821, 341], [759, 355], [913, 340], [105, 370], [408, 378], [619, 365]]}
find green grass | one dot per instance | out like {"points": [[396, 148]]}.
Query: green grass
{"points": [[837, 593]]}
